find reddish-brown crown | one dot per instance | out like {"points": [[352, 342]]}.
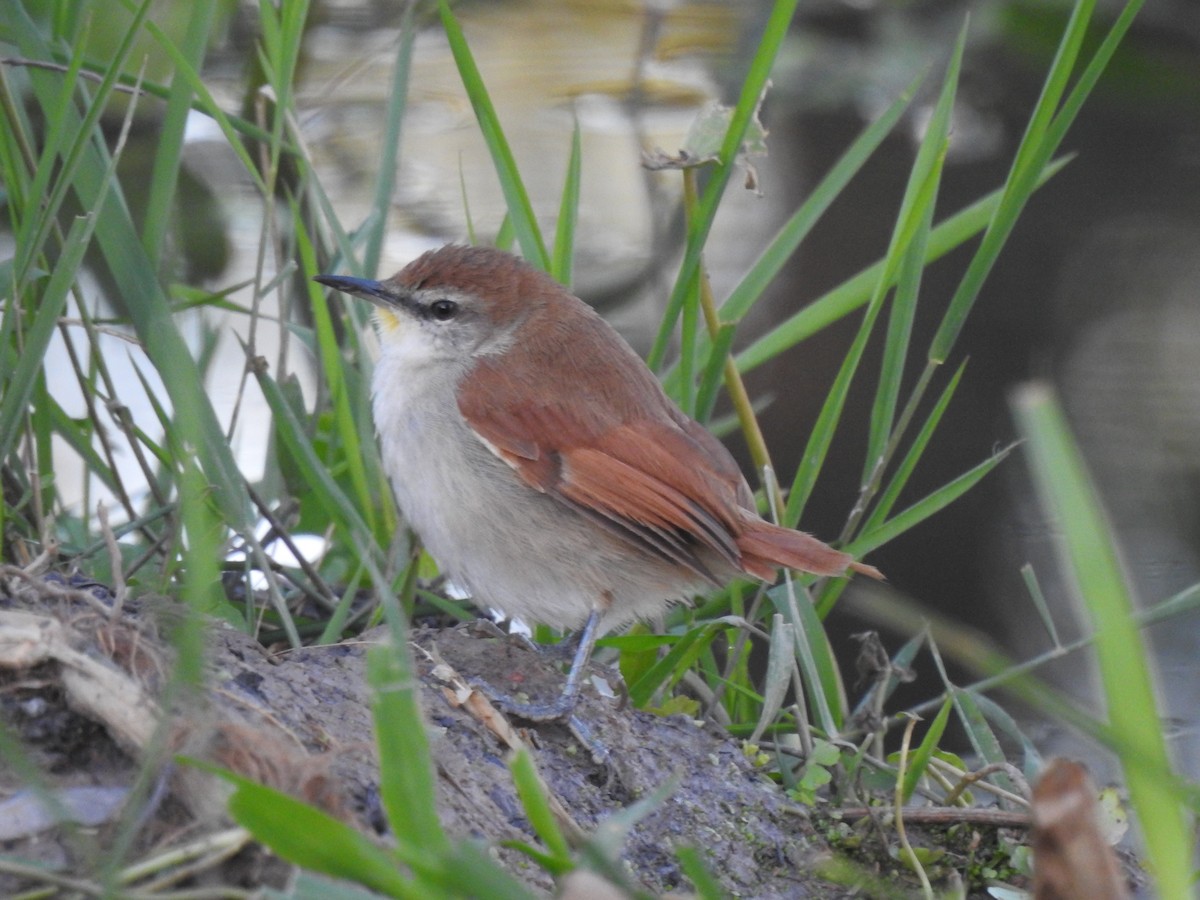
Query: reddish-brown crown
{"points": [[508, 284]]}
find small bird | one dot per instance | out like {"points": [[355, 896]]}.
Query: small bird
{"points": [[542, 464]]}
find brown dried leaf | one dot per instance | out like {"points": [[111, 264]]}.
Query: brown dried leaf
{"points": [[1072, 860]]}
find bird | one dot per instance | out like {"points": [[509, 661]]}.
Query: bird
{"points": [[542, 464]]}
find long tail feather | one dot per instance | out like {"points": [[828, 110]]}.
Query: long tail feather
{"points": [[766, 547]]}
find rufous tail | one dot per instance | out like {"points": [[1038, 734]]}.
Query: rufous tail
{"points": [[766, 547]]}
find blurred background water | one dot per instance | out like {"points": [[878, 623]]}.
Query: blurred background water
{"points": [[1098, 290]]}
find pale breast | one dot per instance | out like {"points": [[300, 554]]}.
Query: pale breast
{"points": [[511, 546]]}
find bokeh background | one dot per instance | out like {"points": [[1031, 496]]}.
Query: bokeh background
{"points": [[1098, 290]]}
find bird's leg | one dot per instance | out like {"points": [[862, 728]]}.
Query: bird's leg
{"points": [[565, 704], [564, 649], [594, 746]]}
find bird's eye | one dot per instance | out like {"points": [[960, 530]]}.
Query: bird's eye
{"points": [[443, 310]]}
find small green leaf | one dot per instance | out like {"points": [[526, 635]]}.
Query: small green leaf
{"points": [[918, 761]]}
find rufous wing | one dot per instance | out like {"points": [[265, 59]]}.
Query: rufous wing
{"points": [[625, 475], [608, 443]]}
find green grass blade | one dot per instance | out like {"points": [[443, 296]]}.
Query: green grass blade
{"points": [[406, 777], [921, 192], [79, 439], [689, 320], [42, 436], [291, 432], [18, 389], [926, 507], [853, 293], [282, 35], [899, 479], [822, 679], [821, 437], [149, 311], [980, 734], [1092, 561], [520, 210], [345, 516], [203, 592], [505, 234], [27, 380], [313, 839], [789, 237], [604, 845], [712, 378], [692, 863], [69, 143], [999, 717], [978, 655], [1042, 137], [880, 534], [895, 350], [231, 127], [470, 872], [17, 162], [568, 213], [333, 365], [699, 226], [1029, 576], [1185, 601], [532, 793], [674, 664], [202, 102], [397, 106], [168, 147], [335, 626], [165, 454], [971, 717], [915, 208], [918, 761], [1091, 74], [781, 659]]}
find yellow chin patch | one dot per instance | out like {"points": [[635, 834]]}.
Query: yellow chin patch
{"points": [[387, 321]]}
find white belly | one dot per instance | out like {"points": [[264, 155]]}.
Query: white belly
{"points": [[509, 545]]}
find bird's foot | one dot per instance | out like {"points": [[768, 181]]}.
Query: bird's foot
{"points": [[554, 711], [560, 710]]}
